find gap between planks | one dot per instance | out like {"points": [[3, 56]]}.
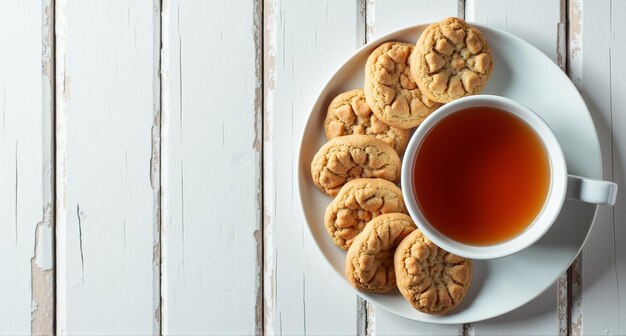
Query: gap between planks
{"points": [[43, 270], [563, 283], [366, 315], [259, 129], [573, 29], [268, 84], [155, 167]]}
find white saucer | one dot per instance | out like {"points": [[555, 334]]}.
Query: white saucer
{"points": [[523, 73]]}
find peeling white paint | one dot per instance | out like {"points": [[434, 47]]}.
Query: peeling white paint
{"points": [[576, 308], [575, 45], [42, 310], [164, 221], [269, 60], [60, 156], [43, 247], [562, 306], [155, 168], [371, 320], [370, 20]]}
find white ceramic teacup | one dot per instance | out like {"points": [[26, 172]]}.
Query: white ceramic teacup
{"points": [[561, 185]]}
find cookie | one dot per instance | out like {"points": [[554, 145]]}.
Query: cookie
{"points": [[356, 204], [349, 114], [369, 262], [353, 156], [432, 280], [389, 89], [451, 60]]}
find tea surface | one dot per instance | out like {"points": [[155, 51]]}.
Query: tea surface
{"points": [[481, 176]]}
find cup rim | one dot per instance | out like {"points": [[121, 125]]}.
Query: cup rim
{"points": [[542, 222]]}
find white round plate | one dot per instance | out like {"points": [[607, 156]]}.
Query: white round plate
{"points": [[523, 73]]}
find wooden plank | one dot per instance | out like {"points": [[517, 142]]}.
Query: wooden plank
{"points": [[107, 191], [545, 30], [542, 28], [388, 16], [604, 256], [304, 41], [26, 110], [385, 17], [538, 317], [211, 168]]}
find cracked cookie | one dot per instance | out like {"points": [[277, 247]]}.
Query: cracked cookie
{"points": [[353, 156], [389, 89], [369, 262], [349, 114], [451, 60], [432, 280], [356, 204]]}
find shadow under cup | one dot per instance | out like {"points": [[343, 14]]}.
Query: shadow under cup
{"points": [[484, 177]]}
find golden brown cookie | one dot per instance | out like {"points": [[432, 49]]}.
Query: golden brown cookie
{"points": [[451, 60], [353, 156], [349, 114], [369, 262], [356, 204], [389, 89], [432, 280]]}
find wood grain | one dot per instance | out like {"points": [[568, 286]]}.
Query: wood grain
{"points": [[544, 29], [106, 198], [26, 111], [304, 41], [211, 168], [601, 70], [387, 16]]}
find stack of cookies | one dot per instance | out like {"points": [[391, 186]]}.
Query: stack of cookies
{"points": [[368, 130]]}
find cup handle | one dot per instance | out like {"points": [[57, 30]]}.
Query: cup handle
{"points": [[591, 191]]}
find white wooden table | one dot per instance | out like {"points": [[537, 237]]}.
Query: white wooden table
{"points": [[148, 154]]}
